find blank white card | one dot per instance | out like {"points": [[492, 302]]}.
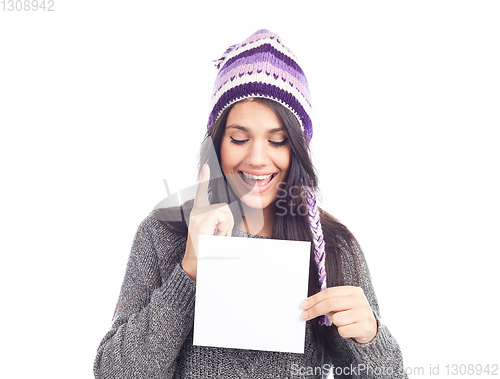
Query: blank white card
{"points": [[248, 293]]}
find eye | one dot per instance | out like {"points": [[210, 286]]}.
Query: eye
{"points": [[238, 142], [277, 144]]}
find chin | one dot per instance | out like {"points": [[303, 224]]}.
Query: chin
{"points": [[255, 202], [252, 199]]}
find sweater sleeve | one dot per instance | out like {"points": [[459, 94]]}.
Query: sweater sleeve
{"points": [[155, 310], [381, 357]]}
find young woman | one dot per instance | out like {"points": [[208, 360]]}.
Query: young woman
{"points": [[256, 181]]}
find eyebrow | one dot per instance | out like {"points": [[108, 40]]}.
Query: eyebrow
{"points": [[269, 131]]}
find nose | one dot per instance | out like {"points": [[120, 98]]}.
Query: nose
{"points": [[257, 154]]}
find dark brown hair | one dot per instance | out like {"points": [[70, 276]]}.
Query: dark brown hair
{"points": [[287, 226]]}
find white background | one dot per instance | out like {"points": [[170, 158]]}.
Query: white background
{"points": [[102, 100]]}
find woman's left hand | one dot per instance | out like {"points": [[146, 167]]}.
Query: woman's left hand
{"points": [[348, 308]]}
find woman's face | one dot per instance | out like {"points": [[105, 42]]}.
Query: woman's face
{"points": [[255, 143]]}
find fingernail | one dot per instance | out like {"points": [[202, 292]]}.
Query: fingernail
{"points": [[305, 315], [304, 304]]}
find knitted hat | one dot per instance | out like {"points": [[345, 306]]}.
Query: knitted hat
{"points": [[261, 66]]}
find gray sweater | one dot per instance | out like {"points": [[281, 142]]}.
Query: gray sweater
{"points": [[151, 335]]}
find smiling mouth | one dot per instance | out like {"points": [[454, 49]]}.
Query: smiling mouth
{"points": [[256, 179], [253, 181]]}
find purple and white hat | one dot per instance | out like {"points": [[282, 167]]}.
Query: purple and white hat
{"points": [[261, 66]]}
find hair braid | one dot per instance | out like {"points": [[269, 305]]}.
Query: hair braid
{"points": [[319, 244]]}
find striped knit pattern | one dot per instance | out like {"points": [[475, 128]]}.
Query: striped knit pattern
{"points": [[261, 66], [319, 244]]}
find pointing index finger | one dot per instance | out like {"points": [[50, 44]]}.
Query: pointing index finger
{"points": [[201, 199]]}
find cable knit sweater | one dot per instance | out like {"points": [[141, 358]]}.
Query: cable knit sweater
{"points": [[151, 335]]}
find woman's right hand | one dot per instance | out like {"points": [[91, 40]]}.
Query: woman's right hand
{"points": [[206, 219]]}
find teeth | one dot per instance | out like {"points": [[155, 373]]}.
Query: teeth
{"points": [[255, 177]]}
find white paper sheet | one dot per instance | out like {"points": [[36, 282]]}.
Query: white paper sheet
{"points": [[248, 293]]}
